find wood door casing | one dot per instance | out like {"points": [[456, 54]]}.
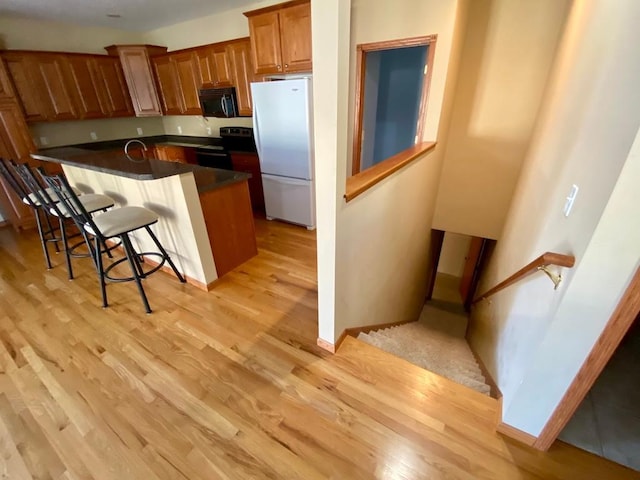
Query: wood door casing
{"points": [[295, 38]]}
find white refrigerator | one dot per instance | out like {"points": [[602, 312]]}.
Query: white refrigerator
{"points": [[283, 130]]}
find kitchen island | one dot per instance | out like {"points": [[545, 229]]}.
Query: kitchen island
{"points": [[206, 222]]}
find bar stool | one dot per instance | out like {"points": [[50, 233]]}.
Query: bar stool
{"points": [[119, 223], [46, 232], [47, 198]]}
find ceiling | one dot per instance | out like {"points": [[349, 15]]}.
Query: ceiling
{"points": [[139, 15]]}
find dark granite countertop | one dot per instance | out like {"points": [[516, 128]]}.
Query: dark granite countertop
{"points": [[106, 161], [212, 143]]}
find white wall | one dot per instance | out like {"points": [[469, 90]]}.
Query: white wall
{"points": [[506, 59], [589, 121], [27, 34], [378, 260]]}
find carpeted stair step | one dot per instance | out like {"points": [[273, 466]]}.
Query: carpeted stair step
{"points": [[436, 343]]}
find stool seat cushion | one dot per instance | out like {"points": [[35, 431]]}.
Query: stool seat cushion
{"points": [[122, 220], [33, 199], [92, 202]]}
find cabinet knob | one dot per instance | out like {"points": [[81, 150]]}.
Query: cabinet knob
{"points": [[286, 65], [279, 67]]}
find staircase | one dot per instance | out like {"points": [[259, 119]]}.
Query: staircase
{"points": [[435, 342]]}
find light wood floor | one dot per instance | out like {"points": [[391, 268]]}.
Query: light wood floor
{"points": [[227, 384]]}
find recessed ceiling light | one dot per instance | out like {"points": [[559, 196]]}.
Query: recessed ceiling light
{"points": [[114, 15]]}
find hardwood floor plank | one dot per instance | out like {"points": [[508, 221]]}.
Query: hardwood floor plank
{"points": [[228, 384]]}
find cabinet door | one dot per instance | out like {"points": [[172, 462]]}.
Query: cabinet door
{"points": [[265, 43], [171, 153], [295, 36], [57, 87], [167, 76], [85, 90], [29, 86], [222, 70], [249, 163], [15, 144], [242, 74], [6, 90], [137, 71], [187, 72], [108, 77], [205, 67]]}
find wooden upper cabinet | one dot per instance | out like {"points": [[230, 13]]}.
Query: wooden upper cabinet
{"points": [[281, 37], [222, 69], [295, 36], [167, 75], [6, 89], [186, 66], [139, 76], [84, 89], [57, 88], [205, 66], [264, 31], [112, 89], [242, 73], [29, 85]]}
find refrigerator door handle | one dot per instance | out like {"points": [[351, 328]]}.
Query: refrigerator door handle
{"points": [[256, 129]]}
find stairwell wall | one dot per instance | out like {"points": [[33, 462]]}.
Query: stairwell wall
{"points": [[382, 236], [506, 61], [531, 338]]}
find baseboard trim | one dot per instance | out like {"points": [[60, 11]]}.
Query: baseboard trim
{"points": [[516, 434], [495, 391], [331, 347]]}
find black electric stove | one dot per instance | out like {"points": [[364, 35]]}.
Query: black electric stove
{"points": [[238, 139]]}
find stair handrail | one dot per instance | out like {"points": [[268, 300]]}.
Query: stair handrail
{"points": [[539, 264]]}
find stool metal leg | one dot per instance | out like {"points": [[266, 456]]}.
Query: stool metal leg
{"points": [[165, 254], [100, 268], [65, 246], [131, 254], [43, 240]]}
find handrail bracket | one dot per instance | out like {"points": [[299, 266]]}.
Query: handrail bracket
{"points": [[556, 278]]}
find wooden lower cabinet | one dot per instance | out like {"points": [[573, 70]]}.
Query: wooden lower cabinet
{"points": [[229, 221], [16, 145], [173, 153], [249, 163]]}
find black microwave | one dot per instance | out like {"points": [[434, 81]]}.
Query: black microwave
{"points": [[219, 102]]}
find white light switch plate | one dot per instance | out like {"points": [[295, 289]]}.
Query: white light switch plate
{"points": [[44, 141], [179, 130], [208, 130], [139, 130], [93, 136]]}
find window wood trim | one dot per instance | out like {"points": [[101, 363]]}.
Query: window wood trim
{"points": [[363, 181], [430, 41]]}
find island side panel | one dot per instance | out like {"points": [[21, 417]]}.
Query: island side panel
{"points": [[229, 219], [179, 228]]}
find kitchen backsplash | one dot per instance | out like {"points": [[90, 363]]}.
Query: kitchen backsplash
{"points": [[197, 126], [55, 134]]}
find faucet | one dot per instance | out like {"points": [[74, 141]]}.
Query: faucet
{"points": [[126, 145]]}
